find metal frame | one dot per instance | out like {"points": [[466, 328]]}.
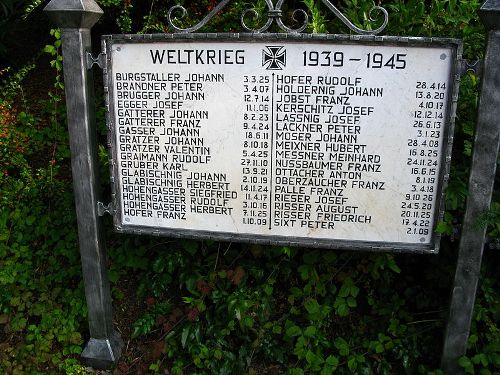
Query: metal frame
{"points": [[454, 79]]}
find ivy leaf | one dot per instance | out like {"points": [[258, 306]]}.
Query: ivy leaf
{"points": [[342, 346], [310, 357], [310, 331], [355, 290], [286, 251], [344, 291], [268, 289], [473, 340], [311, 257], [313, 359], [341, 307], [351, 363], [444, 228], [218, 354], [331, 364], [391, 263], [293, 331], [312, 306], [50, 49], [184, 336], [351, 302], [480, 358], [296, 292], [332, 361], [467, 365], [247, 321], [304, 271], [348, 289]]}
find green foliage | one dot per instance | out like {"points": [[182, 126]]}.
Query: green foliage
{"points": [[11, 86], [318, 20], [483, 356], [121, 12], [54, 50], [235, 314], [41, 298]]}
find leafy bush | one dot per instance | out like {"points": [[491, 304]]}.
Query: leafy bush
{"points": [[41, 297]]}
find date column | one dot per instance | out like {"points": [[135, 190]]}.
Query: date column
{"points": [[256, 163], [423, 157]]}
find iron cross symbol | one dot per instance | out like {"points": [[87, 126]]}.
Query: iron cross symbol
{"points": [[274, 58]]}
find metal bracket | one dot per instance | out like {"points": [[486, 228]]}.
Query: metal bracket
{"points": [[475, 67], [103, 209], [99, 60]]}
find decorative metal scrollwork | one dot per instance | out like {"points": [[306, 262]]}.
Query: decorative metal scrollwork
{"points": [[275, 13], [200, 24], [353, 27]]}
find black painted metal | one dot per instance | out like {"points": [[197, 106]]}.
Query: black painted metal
{"points": [[482, 177], [76, 17]]}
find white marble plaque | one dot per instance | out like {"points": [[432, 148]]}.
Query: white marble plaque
{"points": [[288, 139]]}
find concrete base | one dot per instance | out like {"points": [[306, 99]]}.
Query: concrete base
{"points": [[103, 354]]}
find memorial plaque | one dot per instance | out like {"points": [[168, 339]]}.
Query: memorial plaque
{"points": [[339, 142]]}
